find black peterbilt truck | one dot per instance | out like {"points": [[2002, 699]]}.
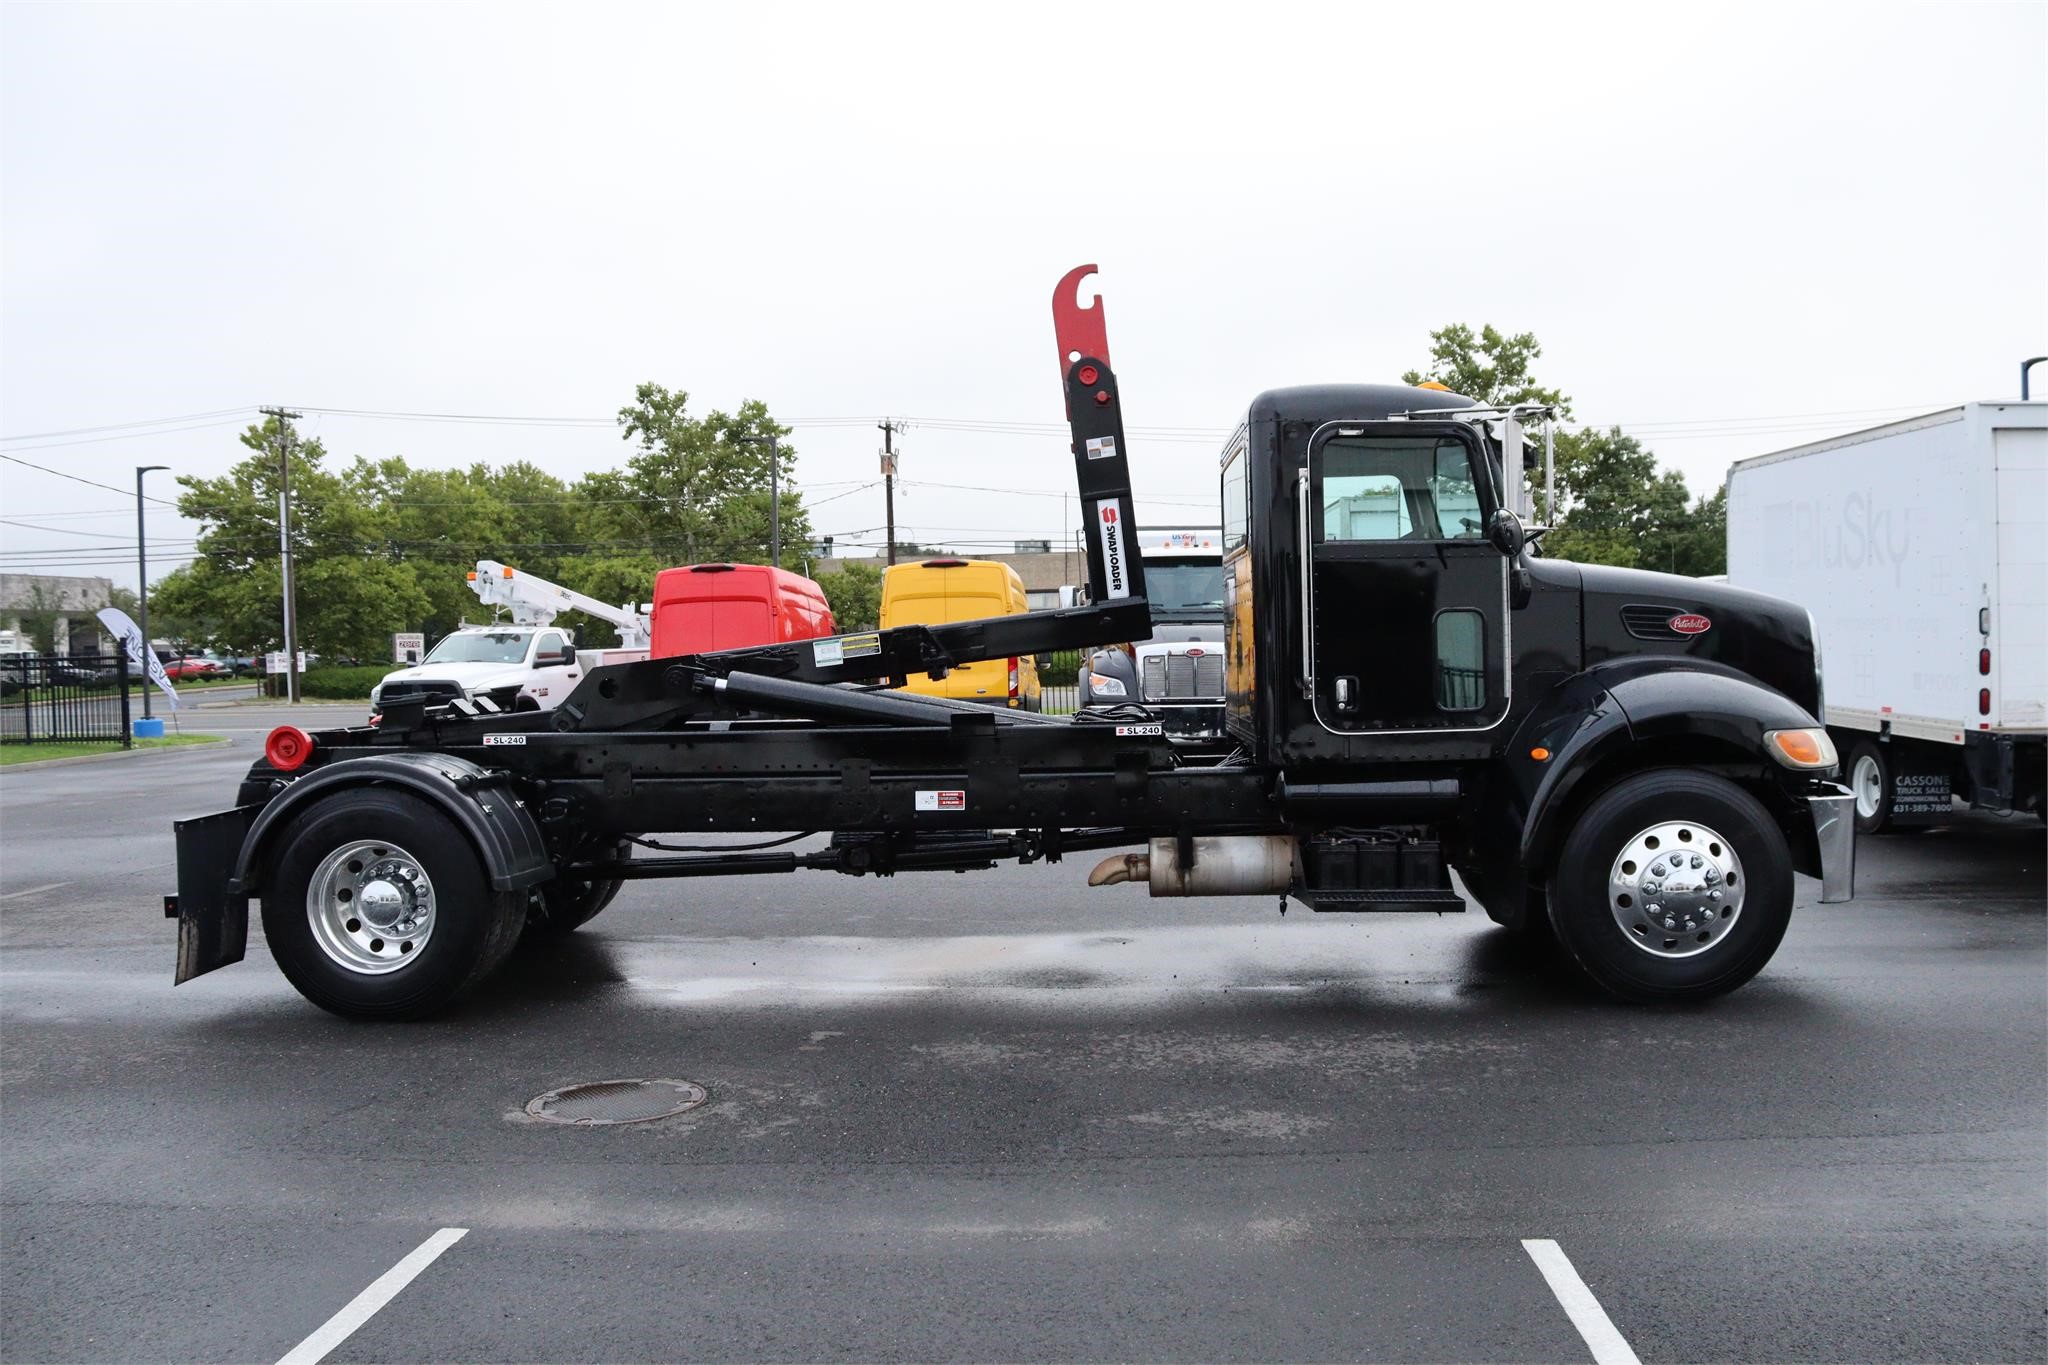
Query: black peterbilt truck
{"points": [[1628, 763]]}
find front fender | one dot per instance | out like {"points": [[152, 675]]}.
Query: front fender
{"points": [[479, 800], [1668, 710]]}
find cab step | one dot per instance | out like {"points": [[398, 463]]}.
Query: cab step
{"points": [[1381, 900]]}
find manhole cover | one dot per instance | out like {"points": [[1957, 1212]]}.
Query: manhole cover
{"points": [[596, 1103]]}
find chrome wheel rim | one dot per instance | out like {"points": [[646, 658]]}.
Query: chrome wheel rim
{"points": [[1676, 889], [1866, 779], [371, 907]]}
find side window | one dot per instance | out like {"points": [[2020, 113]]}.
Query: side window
{"points": [[1455, 494], [1236, 499], [1460, 660], [1364, 507], [1399, 488]]}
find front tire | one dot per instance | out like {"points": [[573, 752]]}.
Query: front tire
{"points": [[378, 907], [1674, 885]]}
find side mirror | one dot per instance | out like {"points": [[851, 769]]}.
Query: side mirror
{"points": [[563, 659], [1504, 531]]}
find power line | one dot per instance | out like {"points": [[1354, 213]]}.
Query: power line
{"points": [[124, 426], [75, 478], [132, 435], [50, 516], [62, 530]]}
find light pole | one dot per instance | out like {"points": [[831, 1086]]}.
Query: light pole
{"points": [[774, 492], [142, 580]]}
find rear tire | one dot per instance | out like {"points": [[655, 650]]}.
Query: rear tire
{"points": [[561, 906], [1714, 919], [1870, 778], [367, 857]]}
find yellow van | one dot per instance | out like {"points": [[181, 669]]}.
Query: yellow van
{"points": [[934, 592]]}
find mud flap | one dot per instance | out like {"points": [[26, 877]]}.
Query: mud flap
{"points": [[213, 922]]}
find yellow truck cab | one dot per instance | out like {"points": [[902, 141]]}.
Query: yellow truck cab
{"points": [[935, 592]]}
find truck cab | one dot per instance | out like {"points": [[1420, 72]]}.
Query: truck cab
{"points": [[1176, 672], [1389, 629]]}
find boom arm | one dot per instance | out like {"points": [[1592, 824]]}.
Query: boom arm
{"points": [[534, 601]]}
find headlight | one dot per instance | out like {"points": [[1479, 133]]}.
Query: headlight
{"points": [[1801, 748], [1102, 685]]}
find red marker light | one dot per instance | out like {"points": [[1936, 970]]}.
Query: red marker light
{"points": [[1984, 662], [1983, 701], [1102, 396], [288, 748], [1089, 374]]}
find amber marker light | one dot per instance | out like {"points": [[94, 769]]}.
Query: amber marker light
{"points": [[1540, 754], [1801, 748]]}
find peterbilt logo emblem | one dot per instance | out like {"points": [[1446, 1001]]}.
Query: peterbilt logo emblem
{"points": [[1687, 624], [1193, 653]]}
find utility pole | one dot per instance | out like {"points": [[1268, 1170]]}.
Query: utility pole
{"points": [[284, 548], [142, 581], [889, 481]]}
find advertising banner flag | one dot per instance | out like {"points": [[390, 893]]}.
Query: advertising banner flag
{"points": [[142, 659]]}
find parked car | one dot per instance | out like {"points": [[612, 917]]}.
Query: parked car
{"points": [[191, 668], [83, 673], [234, 665]]}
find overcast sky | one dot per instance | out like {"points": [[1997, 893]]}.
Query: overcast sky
{"points": [[1732, 228]]}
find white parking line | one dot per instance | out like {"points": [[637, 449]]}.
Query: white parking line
{"points": [[1579, 1304], [16, 895], [364, 1306]]}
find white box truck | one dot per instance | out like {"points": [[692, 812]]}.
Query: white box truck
{"points": [[1921, 549]]}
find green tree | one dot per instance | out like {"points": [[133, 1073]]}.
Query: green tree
{"points": [[696, 488], [1487, 367], [1614, 505], [855, 592], [1691, 541], [351, 595]]}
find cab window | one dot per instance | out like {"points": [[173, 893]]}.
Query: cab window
{"points": [[1399, 488], [1236, 503]]}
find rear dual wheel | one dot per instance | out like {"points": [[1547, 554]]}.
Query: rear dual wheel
{"points": [[377, 907], [1674, 885], [563, 904]]}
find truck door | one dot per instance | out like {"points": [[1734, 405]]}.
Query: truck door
{"points": [[1407, 601]]}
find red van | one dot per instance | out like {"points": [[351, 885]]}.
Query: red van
{"points": [[702, 607]]}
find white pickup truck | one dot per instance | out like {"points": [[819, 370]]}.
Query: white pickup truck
{"points": [[520, 668], [527, 666]]}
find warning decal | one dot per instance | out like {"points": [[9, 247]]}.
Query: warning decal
{"points": [[1111, 532], [955, 800], [837, 649], [1102, 447]]}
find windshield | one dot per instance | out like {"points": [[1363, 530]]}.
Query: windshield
{"points": [[1184, 588], [481, 647]]}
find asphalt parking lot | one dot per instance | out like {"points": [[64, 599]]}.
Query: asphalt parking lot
{"points": [[1001, 1116]]}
